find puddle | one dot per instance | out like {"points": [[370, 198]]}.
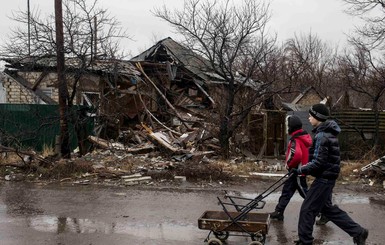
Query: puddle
{"points": [[45, 223], [337, 198], [93, 215]]}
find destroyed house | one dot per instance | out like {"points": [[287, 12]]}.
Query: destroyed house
{"points": [[108, 86], [186, 78], [181, 74], [38, 76], [167, 83], [192, 87]]}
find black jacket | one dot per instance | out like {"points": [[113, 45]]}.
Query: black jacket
{"points": [[325, 152]]}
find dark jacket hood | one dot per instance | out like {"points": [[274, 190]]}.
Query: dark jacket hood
{"points": [[328, 126]]}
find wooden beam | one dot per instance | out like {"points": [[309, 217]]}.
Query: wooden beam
{"points": [[39, 79]]}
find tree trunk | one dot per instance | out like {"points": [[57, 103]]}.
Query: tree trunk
{"points": [[225, 131], [224, 138]]}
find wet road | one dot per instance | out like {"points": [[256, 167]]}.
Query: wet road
{"points": [[71, 215]]}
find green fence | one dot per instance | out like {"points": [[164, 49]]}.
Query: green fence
{"points": [[36, 126]]}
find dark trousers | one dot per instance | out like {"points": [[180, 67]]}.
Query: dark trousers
{"points": [[291, 185], [319, 199]]}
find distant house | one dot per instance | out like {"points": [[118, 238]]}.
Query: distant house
{"points": [[304, 100]]}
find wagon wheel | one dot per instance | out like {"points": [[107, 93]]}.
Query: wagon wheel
{"points": [[221, 235], [258, 237], [255, 243], [214, 241]]}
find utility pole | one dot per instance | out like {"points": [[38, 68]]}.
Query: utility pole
{"points": [[62, 84], [29, 29], [95, 39]]}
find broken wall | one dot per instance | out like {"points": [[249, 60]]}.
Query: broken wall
{"points": [[15, 93]]}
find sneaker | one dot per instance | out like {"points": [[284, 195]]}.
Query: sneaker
{"points": [[322, 220], [361, 238], [276, 215]]}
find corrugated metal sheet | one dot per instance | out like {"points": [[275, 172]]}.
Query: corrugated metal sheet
{"points": [[120, 67], [354, 125], [31, 125], [350, 121]]}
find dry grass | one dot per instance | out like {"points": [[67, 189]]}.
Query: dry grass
{"points": [[246, 167], [350, 170], [64, 169], [9, 157], [212, 171], [47, 151], [126, 164]]}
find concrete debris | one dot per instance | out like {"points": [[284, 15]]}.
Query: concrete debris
{"points": [[14, 177], [138, 180], [180, 178], [133, 176], [82, 182], [267, 174]]}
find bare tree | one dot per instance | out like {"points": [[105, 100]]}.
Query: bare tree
{"points": [[308, 61], [89, 34], [232, 40], [366, 76], [372, 12]]}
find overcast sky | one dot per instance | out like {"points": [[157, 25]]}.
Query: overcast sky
{"points": [[324, 18]]}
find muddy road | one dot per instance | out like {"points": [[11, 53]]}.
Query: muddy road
{"points": [[36, 214]]}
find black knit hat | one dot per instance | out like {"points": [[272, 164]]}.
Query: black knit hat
{"points": [[294, 123], [319, 112]]}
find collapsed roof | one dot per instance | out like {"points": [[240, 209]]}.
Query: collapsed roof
{"points": [[96, 66], [169, 51]]}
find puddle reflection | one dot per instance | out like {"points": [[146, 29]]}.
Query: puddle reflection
{"points": [[337, 198], [59, 225], [21, 201]]}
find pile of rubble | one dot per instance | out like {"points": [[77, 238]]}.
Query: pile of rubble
{"points": [[114, 163], [375, 171], [377, 166], [149, 141]]}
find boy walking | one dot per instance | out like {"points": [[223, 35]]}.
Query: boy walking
{"points": [[297, 154], [324, 165]]}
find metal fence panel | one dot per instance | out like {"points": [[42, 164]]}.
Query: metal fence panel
{"points": [[35, 126]]}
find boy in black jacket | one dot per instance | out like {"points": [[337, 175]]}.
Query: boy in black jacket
{"points": [[324, 165]]}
